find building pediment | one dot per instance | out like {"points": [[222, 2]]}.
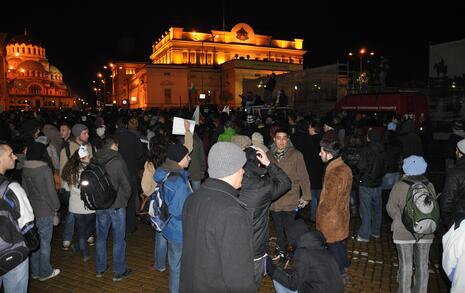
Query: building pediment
{"points": [[242, 33]]}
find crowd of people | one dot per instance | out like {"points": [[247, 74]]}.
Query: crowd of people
{"points": [[222, 184]]}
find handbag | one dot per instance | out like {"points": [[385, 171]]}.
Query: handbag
{"points": [[31, 236]]}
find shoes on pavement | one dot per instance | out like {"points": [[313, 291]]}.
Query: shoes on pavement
{"points": [[54, 273], [376, 236], [66, 245], [119, 277], [358, 238], [99, 274], [91, 241]]}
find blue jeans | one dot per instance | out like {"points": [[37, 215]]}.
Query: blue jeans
{"points": [[338, 250], [69, 227], [16, 280], [160, 251], [314, 203], [280, 288], [40, 259], [174, 260], [116, 218], [413, 254], [371, 211], [195, 185], [389, 180]]}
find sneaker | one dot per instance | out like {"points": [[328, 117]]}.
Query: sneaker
{"points": [[91, 241], [66, 245], [376, 236], [86, 258], [99, 274], [361, 239], [54, 273], [119, 277], [35, 277]]}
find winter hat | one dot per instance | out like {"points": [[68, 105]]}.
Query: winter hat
{"points": [[224, 159], [35, 151], [78, 128], [374, 135], [133, 123], [83, 152], [414, 165], [177, 152], [461, 146], [257, 140], [329, 122], [392, 126], [296, 229], [99, 122], [242, 141]]}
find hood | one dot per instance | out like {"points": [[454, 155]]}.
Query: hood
{"points": [[32, 164], [311, 240], [105, 155], [167, 167], [289, 146]]}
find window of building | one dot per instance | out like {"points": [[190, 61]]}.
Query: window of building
{"points": [[23, 50], [166, 73], [192, 58], [35, 51], [29, 50], [168, 95], [209, 59], [34, 89], [184, 57]]}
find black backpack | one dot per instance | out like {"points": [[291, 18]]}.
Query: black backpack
{"points": [[13, 247], [97, 192]]}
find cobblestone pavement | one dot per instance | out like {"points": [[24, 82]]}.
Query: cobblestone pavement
{"points": [[373, 267]]}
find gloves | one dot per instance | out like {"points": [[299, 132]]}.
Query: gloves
{"points": [[270, 267]]}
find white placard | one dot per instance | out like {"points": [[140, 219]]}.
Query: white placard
{"points": [[178, 126]]}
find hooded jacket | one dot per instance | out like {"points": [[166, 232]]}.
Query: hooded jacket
{"points": [[315, 269], [119, 175], [260, 186], [176, 189], [217, 253], [40, 188]]}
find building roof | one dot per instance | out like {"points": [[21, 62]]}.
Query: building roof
{"points": [[54, 70], [24, 39]]}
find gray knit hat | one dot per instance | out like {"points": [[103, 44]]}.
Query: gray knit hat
{"points": [[77, 129], [224, 159]]}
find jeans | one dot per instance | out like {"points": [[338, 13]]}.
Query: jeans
{"points": [[195, 185], [314, 203], [69, 227], [16, 280], [174, 260], [389, 180], [40, 259], [280, 288], [408, 254], [116, 218], [84, 227], [338, 250], [371, 208], [160, 252], [281, 219]]}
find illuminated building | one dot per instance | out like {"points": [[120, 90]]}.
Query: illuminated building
{"points": [[187, 64], [31, 81]]}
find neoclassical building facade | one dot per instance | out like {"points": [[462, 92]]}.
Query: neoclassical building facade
{"points": [[188, 65], [31, 81]]}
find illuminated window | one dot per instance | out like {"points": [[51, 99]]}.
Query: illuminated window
{"points": [[168, 95], [209, 59], [23, 50], [29, 50], [34, 90], [192, 58], [35, 51], [184, 57]]}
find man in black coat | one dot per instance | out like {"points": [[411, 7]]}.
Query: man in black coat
{"points": [[315, 269], [217, 251], [261, 186]]}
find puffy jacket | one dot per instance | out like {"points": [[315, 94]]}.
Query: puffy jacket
{"points": [[176, 189], [315, 269], [452, 199], [260, 187], [372, 165]]}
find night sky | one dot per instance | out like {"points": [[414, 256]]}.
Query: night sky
{"points": [[81, 37]]}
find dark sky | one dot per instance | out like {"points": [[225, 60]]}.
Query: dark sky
{"points": [[82, 36]]}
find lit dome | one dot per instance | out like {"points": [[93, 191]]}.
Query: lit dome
{"points": [[24, 39], [54, 70]]}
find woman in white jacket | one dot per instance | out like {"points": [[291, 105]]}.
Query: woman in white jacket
{"points": [[85, 218]]}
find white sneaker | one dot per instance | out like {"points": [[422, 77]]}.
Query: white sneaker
{"points": [[54, 273], [66, 245], [91, 241]]}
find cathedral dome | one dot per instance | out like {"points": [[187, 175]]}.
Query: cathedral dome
{"points": [[54, 70], [24, 39]]}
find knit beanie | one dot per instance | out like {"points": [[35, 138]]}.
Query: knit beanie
{"points": [[35, 151], [224, 159], [414, 166], [77, 129], [242, 141], [133, 123], [176, 152], [257, 140]]}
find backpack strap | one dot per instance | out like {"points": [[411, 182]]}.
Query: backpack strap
{"points": [[425, 182]]}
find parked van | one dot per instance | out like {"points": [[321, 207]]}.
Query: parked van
{"points": [[410, 105]]}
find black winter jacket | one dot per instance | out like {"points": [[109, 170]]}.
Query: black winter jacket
{"points": [[259, 188], [315, 269], [452, 199], [372, 165], [119, 175], [217, 253], [411, 141], [131, 149], [309, 146]]}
